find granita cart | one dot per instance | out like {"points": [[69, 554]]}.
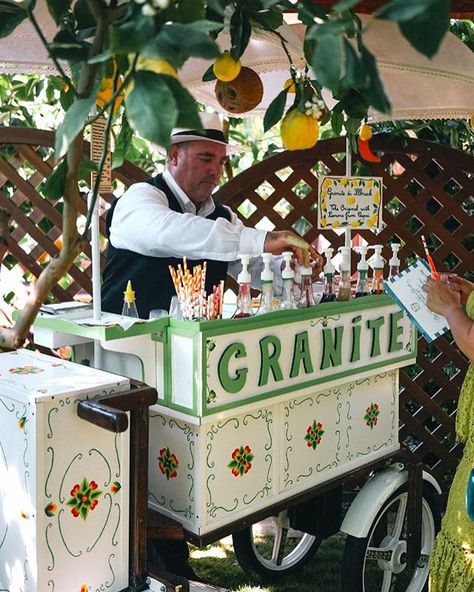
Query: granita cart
{"points": [[269, 417]]}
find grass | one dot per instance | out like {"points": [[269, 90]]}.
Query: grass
{"points": [[217, 565]]}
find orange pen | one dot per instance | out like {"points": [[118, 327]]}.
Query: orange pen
{"points": [[430, 260]]}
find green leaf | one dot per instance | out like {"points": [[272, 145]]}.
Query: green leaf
{"points": [[375, 93], [426, 31], [11, 15], [72, 125], [352, 125], [337, 119], [327, 60], [193, 39], [83, 14], [274, 111], [58, 9], [132, 35], [151, 107], [240, 30], [209, 74], [53, 187], [309, 10], [187, 106], [269, 19], [355, 75], [404, 10], [122, 144]]}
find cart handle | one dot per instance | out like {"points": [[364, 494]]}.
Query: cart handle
{"points": [[109, 412]]}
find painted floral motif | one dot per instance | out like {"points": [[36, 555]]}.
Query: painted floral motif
{"points": [[168, 463], [241, 462], [50, 510], [371, 415], [25, 515], [84, 497], [314, 433], [26, 370], [22, 421], [84, 588], [115, 487]]}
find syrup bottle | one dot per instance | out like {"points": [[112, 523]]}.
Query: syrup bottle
{"points": [[266, 298], [394, 263], [306, 298], [377, 264], [288, 275], [344, 293], [362, 269], [329, 294], [244, 300]]}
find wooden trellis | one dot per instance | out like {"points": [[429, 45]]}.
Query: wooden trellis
{"points": [[427, 189]]}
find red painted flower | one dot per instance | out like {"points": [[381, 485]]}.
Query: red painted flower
{"points": [[314, 433], [115, 487], [168, 463], [84, 497], [84, 588], [22, 421], [371, 415], [241, 462]]}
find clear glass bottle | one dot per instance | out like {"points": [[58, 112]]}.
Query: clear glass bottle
{"points": [[244, 298], [362, 270], [129, 308], [266, 297], [394, 263], [288, 275], [344, 294], [306, 298], [377, 266], [329, 293]]}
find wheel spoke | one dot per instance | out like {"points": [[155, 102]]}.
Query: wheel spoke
{"points": [[400, 518], [279, 545], [387, 581]]}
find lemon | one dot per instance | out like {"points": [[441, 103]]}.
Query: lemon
{"points": [[365, 132], [290, 85], [105, 93], [298, 130], [157, 66], [471, 122], [226, 68]]}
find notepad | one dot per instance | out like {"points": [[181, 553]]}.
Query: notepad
{"points": [[406, 288]]}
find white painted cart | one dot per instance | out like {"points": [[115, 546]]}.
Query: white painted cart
{"points": [[270, 416]]}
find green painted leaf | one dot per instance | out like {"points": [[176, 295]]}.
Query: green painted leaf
{"points": [[152, 109], [11, 15], [73, 123], [58, 9], [426, 31], [274, 112], [327, 60]]}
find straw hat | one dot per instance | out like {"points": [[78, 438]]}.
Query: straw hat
{"points": [[211, 131]]}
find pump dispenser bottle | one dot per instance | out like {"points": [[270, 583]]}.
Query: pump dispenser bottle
{"points": [[306, 298], [394, 263], [344, 293], [266, 302], [244, 300], [288, 275], [129, 308], [362, 269], [377, 264], [329, 293]]}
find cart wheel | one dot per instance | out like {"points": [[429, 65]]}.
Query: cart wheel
{"points": [[270, 550], [378, 562]]}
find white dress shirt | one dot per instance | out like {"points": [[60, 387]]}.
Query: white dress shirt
{"points": [[144, 223]]}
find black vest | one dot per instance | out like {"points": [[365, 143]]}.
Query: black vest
{"points": [[150, 276]]}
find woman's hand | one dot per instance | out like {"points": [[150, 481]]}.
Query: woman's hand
{"points": [[461, 285], [440, 297]]}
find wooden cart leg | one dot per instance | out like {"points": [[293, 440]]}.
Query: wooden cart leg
{"points": [[414, 512]]}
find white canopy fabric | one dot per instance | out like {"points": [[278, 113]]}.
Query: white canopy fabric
{"points": [[418, 87]]}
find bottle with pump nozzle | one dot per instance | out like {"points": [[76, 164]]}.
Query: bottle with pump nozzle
{"points": [[129, 308], [306, 297], [394, 262], [244, 300], [329, 293], [266, 298], [377, 263], [288, 275], [362, 269], [344, 293]]}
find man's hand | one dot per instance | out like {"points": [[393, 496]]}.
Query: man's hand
{"points": [[284, 240]]}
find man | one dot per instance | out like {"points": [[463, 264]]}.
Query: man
{"points": [[156, 224]]}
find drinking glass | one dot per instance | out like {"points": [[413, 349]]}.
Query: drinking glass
{"points": [[175, 309]]}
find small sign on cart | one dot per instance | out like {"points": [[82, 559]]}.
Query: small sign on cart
{"points": [[353, 202]]}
